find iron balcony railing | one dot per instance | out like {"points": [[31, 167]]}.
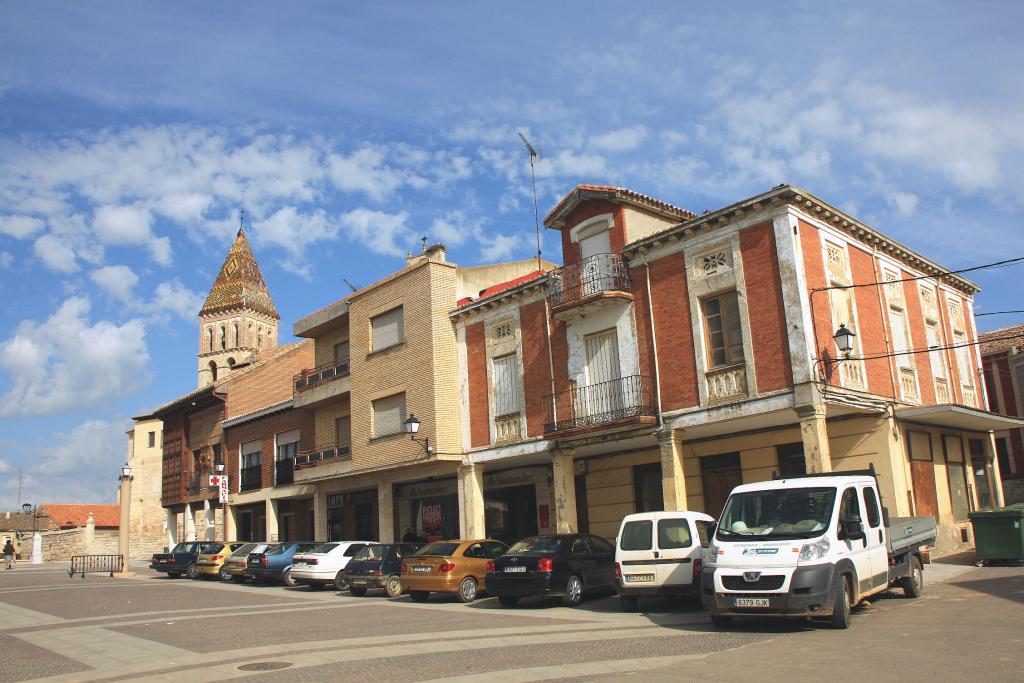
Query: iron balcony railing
{"points": [[593, 275], [598, 404], [284, 471], [328, 453], [312, 377], [250, 478]]}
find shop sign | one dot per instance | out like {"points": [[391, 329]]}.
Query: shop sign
{"points": [[509, 479], [432, 516], [430, 490]]}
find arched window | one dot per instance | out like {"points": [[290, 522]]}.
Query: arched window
{"points": [[259, 337], [209, 338], [231, 363], [223, 338], [213, 370], [235, 326]]}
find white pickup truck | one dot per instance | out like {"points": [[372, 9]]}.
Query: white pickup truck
{"points": [[810, 546]]}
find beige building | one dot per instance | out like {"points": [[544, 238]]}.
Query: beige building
{"points": [[148, 533]]}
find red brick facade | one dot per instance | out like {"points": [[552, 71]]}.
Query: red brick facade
{"points": [[673, 329], [264, 430], [763, 292], [536, 366], [479, 412]]}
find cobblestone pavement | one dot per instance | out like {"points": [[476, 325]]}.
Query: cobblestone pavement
{"points": [[969, 624]]}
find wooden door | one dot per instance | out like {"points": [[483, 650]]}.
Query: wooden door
{"points": [[922, 473], [720, 474]]}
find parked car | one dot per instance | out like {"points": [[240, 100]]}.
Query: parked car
{"points": [[208, 564], [325, 564], [181, 559], [275, 563], [458, 567], [660, 553], [378, 566], [233, 568], [565, 565]]}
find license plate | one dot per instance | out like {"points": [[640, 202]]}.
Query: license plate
{"points": [[356, 582], [420, 570], [638, 578], [750, 602], [515, 570]]}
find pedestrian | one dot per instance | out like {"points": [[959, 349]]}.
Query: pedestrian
{"points": [[9, 552]]}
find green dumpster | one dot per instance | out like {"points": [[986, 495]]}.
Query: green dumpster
{"points": [[999, 534]]}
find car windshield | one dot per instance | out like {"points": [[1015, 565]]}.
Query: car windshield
{"points": [[539, 545], [777, 513], [279, 549], [244, 550], [442, 549], [210, 548], [325, 548], [372, 552], [180, 548]]}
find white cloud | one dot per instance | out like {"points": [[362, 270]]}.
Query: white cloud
{"points": [[66, 363], [568, 163], [905, 203], [55, 254], [383, 233], [364, 170], [497, 246], [621, 140], [117, 281], [122, 225], [6, 259], [20, 227], [175, 297]]}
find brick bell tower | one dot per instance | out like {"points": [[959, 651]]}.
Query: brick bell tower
{"points": [[238, 319]]}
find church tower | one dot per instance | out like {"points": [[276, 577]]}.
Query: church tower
{"points": [[238, 319]]}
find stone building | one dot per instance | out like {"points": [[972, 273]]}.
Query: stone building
{"points": [[147, 534]]}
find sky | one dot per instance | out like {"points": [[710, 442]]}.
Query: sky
{"points": [[129, 132]]}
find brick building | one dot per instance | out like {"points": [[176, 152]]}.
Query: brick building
{"points": [[1002, 354]]}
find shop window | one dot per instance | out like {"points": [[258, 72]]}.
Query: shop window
{"points": [[387, 329], [436, 518], [389, 415], [723, 337], [647, 490], [791, 459]]}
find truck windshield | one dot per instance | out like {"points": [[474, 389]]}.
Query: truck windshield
{"points": [[777, 513]]}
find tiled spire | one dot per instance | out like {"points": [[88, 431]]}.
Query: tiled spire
{"points": [[240, 283]]}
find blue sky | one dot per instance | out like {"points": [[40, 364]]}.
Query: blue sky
{"points": [[129, 130]]}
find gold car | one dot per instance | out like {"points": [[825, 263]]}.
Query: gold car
{"points": [[233, 568], [210, 562], [449, 567]]}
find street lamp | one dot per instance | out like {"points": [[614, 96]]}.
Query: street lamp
{"points": [[36, 557], [412, 427], [126, 514], [844, 340]]}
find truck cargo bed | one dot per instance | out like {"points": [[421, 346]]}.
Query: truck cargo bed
{"points": [[904, 532]]}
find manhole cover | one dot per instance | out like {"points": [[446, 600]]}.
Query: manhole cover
{"points": [[264, 666]]}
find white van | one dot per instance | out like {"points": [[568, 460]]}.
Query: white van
{"points": [[660, 553]]}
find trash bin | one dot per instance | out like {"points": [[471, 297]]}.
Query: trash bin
{"points": [[999, 534]]}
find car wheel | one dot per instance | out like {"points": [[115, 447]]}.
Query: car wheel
{"points": [[508, 600], [358, 592], [287, 580], [419, 596], [224, 575], [841, 610], [340, 583], [628, 603], [913, 585], [573, 591], [190, 572], [467, 589], [721, 620], [393, 587], [173, 575]]}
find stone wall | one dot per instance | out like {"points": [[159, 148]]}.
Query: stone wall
{"points": [[59, 546]]}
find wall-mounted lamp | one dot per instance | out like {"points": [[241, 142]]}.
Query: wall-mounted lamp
{"points": [[844, 340], [412, 427]]}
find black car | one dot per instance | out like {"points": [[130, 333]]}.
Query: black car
{"points": [[182, 558], [566, 565], [378, 566]]}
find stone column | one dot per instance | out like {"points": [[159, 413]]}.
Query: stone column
{"points": [[471, 502], [171, 527], [814, 434], [230, 523], [563, 491], [673, 478], [90, 526], [209, 521], [190, 523], [320, 514], [386, 512], [271, 521]]}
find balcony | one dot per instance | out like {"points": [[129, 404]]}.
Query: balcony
{"points": [[313, 386], [329, 453], [197, 481], [508, 428], [620, 402], [593, 279], [727, 384], [251, 478], [284, 471]]}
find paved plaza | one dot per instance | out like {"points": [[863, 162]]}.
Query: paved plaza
{"points": [[968, 625]]}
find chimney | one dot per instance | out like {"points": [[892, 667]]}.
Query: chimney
{"points": [[435, 252]]}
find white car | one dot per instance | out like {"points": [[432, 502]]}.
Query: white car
{"points": [[325, 564], [660, 553]]}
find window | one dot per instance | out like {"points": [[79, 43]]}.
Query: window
{"points": [[647, 489], [288, 444], [848, 508], [213, 370], [251, 454], [216, 454], [871, 506], [389, 415], [1004, 456], [209, 339], [580, 547], [599, 545], [343, 430], [387, 329], [223, 338], [595, 244], [704, 533], [636, 535], [234, 329], [152, 439], [722, 334], [505, 375], [673, 534], [791, 459]]}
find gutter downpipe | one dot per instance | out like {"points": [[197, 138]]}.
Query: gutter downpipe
{"points": [[551, 355], [654, 342]]}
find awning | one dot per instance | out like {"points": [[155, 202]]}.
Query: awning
{"points": [[959, 417]]}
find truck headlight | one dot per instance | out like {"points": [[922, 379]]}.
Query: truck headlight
{"points": [[814, 551]]}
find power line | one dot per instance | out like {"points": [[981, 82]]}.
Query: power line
{"points": [[929, 349], [978, 315], [984, 266]]}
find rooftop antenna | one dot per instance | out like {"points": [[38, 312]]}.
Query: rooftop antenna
{"points": [[350, 285], [533, 178]]}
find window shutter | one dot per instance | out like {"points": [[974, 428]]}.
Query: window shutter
{"points": [[389, 415], [733, 329], [602, 357], [506, 386], [598, 243], [291, 436], [387, 329]]}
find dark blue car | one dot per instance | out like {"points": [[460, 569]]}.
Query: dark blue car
{"points": [[180, 560], [275, 563]]}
